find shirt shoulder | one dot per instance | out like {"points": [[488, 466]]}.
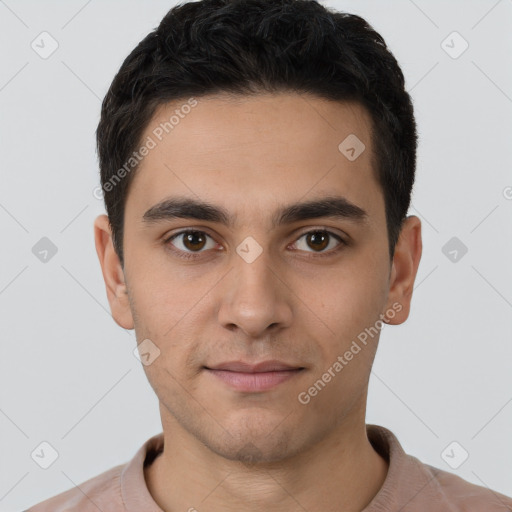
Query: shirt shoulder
{"points": [[101, 492], [465, 496], [120, 489], [414, 486]]}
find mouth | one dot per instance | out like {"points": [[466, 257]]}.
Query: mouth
{"points": [[252, 378]]}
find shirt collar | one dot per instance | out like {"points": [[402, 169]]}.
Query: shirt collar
{"points": [[407, 482]]}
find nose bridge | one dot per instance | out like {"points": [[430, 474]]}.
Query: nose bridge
{"points": [[254, 298]]}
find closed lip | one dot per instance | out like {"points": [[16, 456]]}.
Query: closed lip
{"points": [[264, 366]]}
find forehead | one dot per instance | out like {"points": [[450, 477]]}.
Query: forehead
{"points": [[253, 152]]}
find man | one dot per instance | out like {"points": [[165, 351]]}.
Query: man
{"points": [[257, 160]]}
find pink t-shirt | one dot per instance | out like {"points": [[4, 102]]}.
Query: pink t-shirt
{"points": [[410, 486]]}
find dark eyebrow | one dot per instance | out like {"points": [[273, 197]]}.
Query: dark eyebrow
{"points": [[336, 207]]}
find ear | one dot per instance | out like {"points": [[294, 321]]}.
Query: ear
{"points": [[403, 272], [113, 273]]}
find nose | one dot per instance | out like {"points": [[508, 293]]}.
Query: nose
{"points": [[255, 298]]}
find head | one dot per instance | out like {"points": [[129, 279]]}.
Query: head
{"points": [[280, 134]]}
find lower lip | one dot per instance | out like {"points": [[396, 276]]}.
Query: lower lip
{"points": [[252, 382]]}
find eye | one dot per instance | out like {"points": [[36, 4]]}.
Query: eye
{"points": [[319, 240], [191, 241]]}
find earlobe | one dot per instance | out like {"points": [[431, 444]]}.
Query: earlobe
{"points": [[113, 273], [404, 269]]}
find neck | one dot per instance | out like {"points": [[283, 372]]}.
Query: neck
{"points": [[342, 471]]}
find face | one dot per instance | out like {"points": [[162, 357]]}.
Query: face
{"points": [[286, 260]]}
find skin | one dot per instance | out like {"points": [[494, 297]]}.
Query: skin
{"points": [[252, 155]]}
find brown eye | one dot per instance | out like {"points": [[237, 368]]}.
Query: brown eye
{"points": [[194, 240], [318, 241], [191, 241]]}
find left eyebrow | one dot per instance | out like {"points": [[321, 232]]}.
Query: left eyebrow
{"points": [[336, 207]]}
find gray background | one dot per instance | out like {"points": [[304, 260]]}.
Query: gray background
{"points": [[68, 374]]}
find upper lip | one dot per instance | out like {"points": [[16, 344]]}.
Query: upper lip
{"points": [[265, 366]]}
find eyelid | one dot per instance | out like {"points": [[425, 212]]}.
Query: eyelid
{"points": [[327, 229]]}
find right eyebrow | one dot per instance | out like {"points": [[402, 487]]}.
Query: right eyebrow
{"points": [[186, 208]]}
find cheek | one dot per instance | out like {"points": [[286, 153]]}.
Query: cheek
{"points": [[169, 309], [163, 294], [348, 300]]}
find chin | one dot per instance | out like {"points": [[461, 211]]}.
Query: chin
{"points": [[254, 439], [252, 452]]}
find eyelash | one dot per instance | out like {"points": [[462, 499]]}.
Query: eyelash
{"points": [[193, 255]]}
